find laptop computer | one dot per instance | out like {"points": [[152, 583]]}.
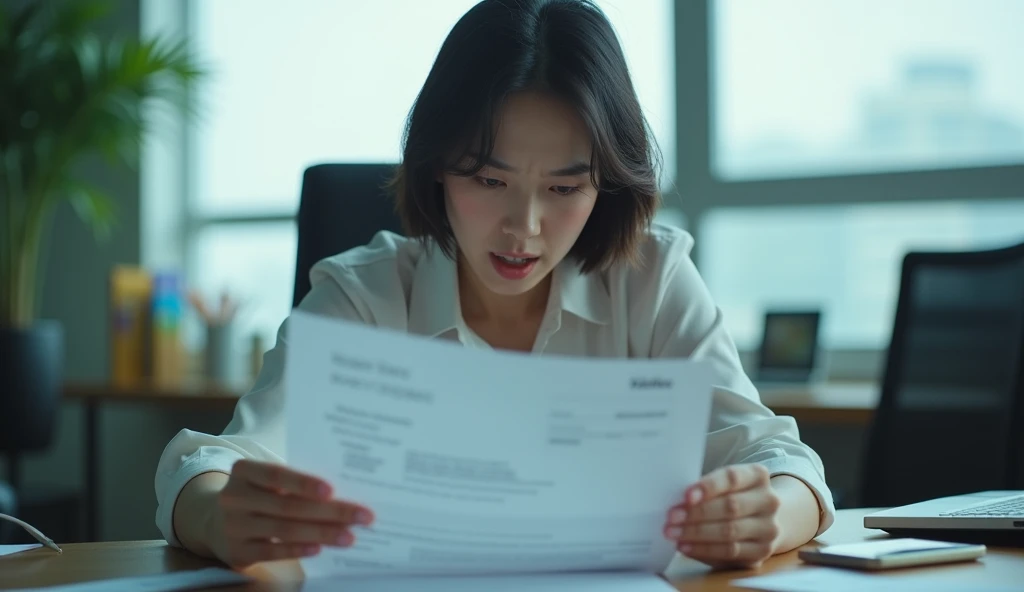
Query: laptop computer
{"points": [[973, 516]]}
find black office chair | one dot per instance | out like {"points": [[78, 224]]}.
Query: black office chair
{"points": [[29, 410], [949, 417], [342, 206]]}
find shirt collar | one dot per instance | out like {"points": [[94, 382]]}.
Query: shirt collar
{"points": [[434, 306], [583, 295], [434, 302]]}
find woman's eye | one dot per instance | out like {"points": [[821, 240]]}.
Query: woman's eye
{"points": [[489, 182], [565, 189]]}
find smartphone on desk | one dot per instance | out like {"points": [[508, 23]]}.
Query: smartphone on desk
{"points": [[892, 553]]}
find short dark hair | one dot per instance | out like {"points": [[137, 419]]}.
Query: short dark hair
{"points": [[566, 48]]}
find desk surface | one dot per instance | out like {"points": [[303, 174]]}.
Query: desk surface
{"points": [[93, 561], [841, 402], [190, 393], [832, 402]]}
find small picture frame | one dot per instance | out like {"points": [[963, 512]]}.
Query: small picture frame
{"points": [[789, 346]]}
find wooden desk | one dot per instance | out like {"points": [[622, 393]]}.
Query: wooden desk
{"points": [[95, 561], [851, 403], [190, 394], [999, 566], [193, 395]]}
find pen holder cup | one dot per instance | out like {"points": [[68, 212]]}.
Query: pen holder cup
{"points": [[219, 365]]}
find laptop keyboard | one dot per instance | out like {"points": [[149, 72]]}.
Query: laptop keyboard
{"points": [[1008, 508]]}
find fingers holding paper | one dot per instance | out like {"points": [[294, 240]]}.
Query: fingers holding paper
{"points": [[268, 512], [728, 518]]}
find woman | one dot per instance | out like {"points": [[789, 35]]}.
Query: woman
{"points": [[527, 187]]}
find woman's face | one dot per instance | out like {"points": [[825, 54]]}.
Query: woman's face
{"points": [[521, 214]]}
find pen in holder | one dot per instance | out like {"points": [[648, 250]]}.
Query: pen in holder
{"points": [[219, 339], [219, 360]]}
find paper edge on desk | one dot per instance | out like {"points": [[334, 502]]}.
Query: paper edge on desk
{"points": [[22, 549], [519, 581]]}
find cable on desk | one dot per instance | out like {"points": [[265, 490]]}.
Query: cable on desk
{"points": [[35, 532]]}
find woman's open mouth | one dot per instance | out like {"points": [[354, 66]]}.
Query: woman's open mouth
{"points": [[513, 266]]}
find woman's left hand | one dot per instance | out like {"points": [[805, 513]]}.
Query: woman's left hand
{"points": [[727, 519]]}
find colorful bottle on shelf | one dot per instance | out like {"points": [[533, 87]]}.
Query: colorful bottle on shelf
{"points": [[131, 291], [167, 309]]}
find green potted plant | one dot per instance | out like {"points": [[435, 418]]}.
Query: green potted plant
{"points": [[68, 92]]}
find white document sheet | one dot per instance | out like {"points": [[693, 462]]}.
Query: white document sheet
{"points": [[487, 462], [576, 582], [816, 579], [199, 579], [12, 549]]}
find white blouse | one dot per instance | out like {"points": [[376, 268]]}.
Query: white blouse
{"points": [[660, 308]]}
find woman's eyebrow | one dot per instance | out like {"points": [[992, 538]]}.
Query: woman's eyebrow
{"points": [[576, 168]]}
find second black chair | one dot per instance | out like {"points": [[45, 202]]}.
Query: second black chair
{"points": [[950, 416]]}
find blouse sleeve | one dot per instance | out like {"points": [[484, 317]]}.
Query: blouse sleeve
{"points": [[256, 430], [688, 324]]}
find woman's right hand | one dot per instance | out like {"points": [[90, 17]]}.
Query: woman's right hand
{"points": [[268, 512]]}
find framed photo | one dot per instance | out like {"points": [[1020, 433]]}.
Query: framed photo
{"points": [[789, 345]]}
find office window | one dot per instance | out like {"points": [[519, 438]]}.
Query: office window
{"points": [[295, 84], [806, 87], [844, 259], [321, 80]]}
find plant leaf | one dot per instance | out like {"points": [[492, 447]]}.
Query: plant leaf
{"points": [[94, 207], [76, 17], [16, 26], [68, 91]]}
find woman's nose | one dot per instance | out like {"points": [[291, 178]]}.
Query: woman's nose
{"points": [[523, 218]]}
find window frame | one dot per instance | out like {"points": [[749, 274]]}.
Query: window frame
{"points": [[699, 191]]}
